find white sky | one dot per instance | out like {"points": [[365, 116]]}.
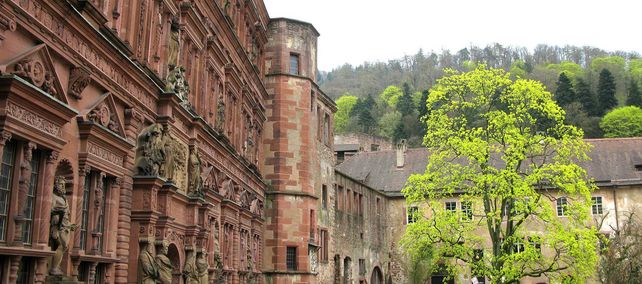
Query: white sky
{"points": [[354, 31]]}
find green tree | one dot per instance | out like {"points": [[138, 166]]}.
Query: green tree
{"points": [[605, 92], [344, 107], [634, 98], [388, 123], [585, 96], [367, 122], [399, 132], [622, 122], [572, 69], [502, 148], [391, 95], [405, 104], [564, 93]]}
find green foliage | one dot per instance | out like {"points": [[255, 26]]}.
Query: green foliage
{"points": [[585, 97], [605, 92], [344, 107], [564, 94], [388, 123], [571, 69], [502, 146], [615, 65], [635, 97], [399, 132], [518, 69], [367, 122], [622, 122], [391, 95], [405, 104]]}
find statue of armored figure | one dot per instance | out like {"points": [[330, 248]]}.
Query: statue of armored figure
{"points": [[147, 269], [164, 265], [190, 273], [195, 180], [61, 226]]}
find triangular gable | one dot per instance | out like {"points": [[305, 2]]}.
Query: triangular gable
{"points": [[35, 66], [103, 112]]}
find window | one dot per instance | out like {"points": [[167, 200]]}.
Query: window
{"points": [[294, 64], [535, 242], [30, 203], [362, 267], [6, 173], [378, 204], [518, 247], [374, 147], [348, 201], [561, 206], [101, 217], [596, 206], [290, 259], [25, 270], [326, 129], [312, 225], [323, 250], [411, 214], [466, 210], [324, 196], [355, 200], [451, 206]]}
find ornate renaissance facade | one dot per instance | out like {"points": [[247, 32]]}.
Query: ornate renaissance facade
{"points": [[130, 141]]}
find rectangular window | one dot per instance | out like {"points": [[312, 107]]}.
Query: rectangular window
{"points": [[348, 201], [355, 200], [411, 214], [326, 129], [561, 206], [323, 251], [466, 210], [596, 206], [84, 221], [378, 202], [30, 203], [340, 198], [291, 258], [451, 206], [518, 247], [324, 196], [6, 174], [294, 64], [101, 217], [25, 270], [535, 242], [362, 267]]}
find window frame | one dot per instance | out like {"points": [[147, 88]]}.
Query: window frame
{"points": [[560, 205], [291, 258], [449, 204], [412, 214], [10, 172], [597, 208], [297, 59]]}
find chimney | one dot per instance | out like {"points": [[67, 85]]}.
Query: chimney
{"points": [[401, 153]]}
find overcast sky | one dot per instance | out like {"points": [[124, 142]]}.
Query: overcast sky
{"points": [[354, 31]]}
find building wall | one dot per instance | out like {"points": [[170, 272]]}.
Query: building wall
{"points": [[83, 88], [365, 141], [298, 151]]}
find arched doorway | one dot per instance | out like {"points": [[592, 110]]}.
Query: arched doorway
{"points": [[347, 270], [377, 276], [175, 257]]}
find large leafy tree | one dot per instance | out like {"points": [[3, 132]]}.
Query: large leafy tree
{"points": [[635, 97], [344, 107], [622, 122], [605, 92], [502, 149]]}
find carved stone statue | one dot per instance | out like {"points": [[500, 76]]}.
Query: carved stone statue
{"points": [[79, 78], [244, 198], [61, 227], [226, 189], [202, 268], [194, 171], [254, 206], [176, 83], [48, 86], [250, 261], [147, 269], [164, 265], [174, 44], [189, 271], [151, 154], [220, 114]]}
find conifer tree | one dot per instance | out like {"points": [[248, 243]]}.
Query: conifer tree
{"points": [[605, 92], [405, 105], [564, 93], [634, 98], [585, 96], [367, 121]]}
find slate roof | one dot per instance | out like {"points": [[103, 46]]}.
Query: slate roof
{"points": [[613, 162]]}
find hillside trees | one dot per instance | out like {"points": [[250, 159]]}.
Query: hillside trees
{"points": [[501, 148], [605, 92], [622, 122]]}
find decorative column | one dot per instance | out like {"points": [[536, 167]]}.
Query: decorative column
{"points": [[4, 137], [44, 201], [24, 182], [13, 268], [111, 216]]}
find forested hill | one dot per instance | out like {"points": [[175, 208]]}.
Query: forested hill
{"points": [[386, 82]]}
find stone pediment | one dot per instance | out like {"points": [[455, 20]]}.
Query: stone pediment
{"points": [[36, 67], [103, 112]]}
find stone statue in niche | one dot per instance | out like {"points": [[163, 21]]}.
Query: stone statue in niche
{"points": [[48, 85], [174, 44], [147, 269], [254, 206], [190, 273], [78, 80], [164, 265], [61, 226], [207, 174], [176, 83], [226, 189], [220, 114], [249, 260], [151, 151], [202, 267], [245, 197], [194, 171]]}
